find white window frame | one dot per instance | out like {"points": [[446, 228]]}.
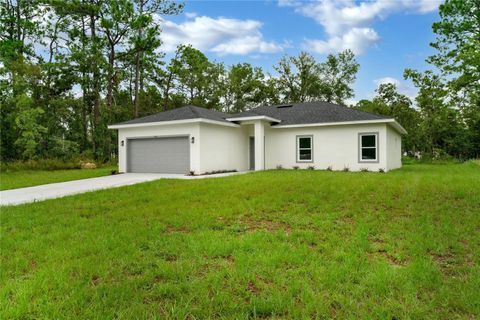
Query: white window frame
{"points": [[298, 148], [360, 147]]}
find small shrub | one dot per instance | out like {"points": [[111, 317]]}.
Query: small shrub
{"points": [[295, 167], [364, 169], [88, 165], [381, 170], [40, 164], [213, 172], [311, 167], [279, 167], [329, 168], [191, 173], [112, 172], [346, 169]]}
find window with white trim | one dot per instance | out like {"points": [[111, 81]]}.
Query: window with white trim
{"points": [[304, 148], [368, 147]]}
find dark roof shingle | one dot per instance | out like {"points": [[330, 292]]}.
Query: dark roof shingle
{"points": [[296, 113], [187, 112], [310, 112]]}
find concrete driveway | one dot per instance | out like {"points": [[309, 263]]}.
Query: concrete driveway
{"points": [[58, 190]]}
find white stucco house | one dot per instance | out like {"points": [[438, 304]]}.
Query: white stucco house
{"points": [[315, 134]]}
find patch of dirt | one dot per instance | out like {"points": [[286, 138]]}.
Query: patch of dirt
{"points": [[390, 258], [95, 280], [345, 220], [33, 264], [252, 288], [468, 256], [228, 260], [173, 229], [159, 278], [170, 257], [378, 250], [375, 239], [382, 207], [445, 261], [334, 307], [252, 225]]}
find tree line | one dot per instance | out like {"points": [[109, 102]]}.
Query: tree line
{"points": [[68, 68]]}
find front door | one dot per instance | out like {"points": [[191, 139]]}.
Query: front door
{"points": [[251, 148]]}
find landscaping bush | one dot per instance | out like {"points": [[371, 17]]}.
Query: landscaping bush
{"points": [[51, 164]]}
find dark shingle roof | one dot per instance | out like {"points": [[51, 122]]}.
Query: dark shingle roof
{"points": [[187, 112], [310, 112], [296, 113]]}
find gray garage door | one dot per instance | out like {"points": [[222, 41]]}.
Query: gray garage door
{"points": [[159, 155]]}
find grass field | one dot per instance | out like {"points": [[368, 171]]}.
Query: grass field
{"points": [[30, 178], [276, 244]]}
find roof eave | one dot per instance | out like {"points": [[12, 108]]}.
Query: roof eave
{"points": [[397, 126], [250, 118], [392, 122], [171, 122]]}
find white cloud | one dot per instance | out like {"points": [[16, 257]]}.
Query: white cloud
{"points": [[221, 35], [288, 3], [356, 39], [191, 14], [342, 19], [246, 45]]}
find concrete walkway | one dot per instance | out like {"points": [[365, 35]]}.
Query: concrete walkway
{"points": [[62, 189]]}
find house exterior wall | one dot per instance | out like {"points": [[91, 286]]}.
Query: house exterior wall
{"points": [[394, 149], [335, 146], [219, 147], [187, 129], [215, 147], [223, 148]]}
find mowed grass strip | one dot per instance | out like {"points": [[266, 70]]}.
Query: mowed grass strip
{"points": [[275, 244], [30, 178]]}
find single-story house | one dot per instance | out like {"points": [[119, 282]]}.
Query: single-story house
{"points": [[312, 134]]}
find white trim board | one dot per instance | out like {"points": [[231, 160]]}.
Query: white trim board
{"points": [[172, 122], [392, 122], [260, 117]]}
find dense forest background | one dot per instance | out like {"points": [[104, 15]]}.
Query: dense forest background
{"points": [[68, 68]]}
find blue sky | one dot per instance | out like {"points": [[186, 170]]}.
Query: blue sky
{"points": [[386, 35]]}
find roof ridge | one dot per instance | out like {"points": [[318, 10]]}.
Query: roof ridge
{"points": [[193, 109]]}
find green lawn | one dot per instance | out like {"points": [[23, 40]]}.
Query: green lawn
{"points": [[276, 244], [29, 178]]}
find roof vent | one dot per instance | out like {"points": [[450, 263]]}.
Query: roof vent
{"points": [[285, 106]]}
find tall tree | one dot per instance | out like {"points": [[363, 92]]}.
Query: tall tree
{"points": [[452, 97], [299, 78], [243, 87], [116, 18], [440, 126], [145, 39], [458, 44], [20, 27], [389, 102], [302, 78], [338, 73], [198, 78], [458, 56]]}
